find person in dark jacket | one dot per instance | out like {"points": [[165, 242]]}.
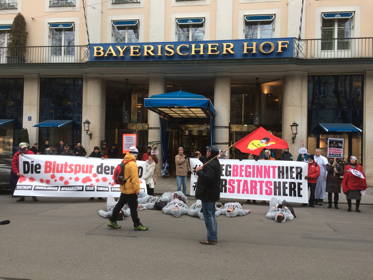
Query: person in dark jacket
{"points": [[334, 181], [67, 151], [286, 155], [79, 150], [208, 191], [96, 152], [113, 152], [60, 147]]}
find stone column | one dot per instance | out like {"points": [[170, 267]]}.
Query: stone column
{"points": [[222, 102], [94, 111], [156, 86], [367, 130], [294, 109], [31, 106]]}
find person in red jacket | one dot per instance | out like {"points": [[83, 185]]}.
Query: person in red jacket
{"points": [[313, 174], [15, 174], [354, 181]]}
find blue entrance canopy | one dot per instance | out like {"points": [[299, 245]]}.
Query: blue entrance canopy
{"points": [[340, 127], [53, 123], [180, 105], [6, 121]]}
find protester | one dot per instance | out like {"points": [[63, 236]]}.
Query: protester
{"points": [[149, 174], [321, 181], [96, 152], [79, 150], [354, 182], [267, 155], [129, 190], [313, 174], [147, 153], [303, 154], [44, 148], [60, 147], [208, 191], [154, 153], [67, 151], [199, 155], [279, 211], [182, 169], [104, 150], [333, 182], [113, 152], [286, 155], [15, 173], [34, 148]]}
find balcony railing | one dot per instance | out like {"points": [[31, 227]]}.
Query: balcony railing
{"points": [[307, 49], [8, 4], [61, 3], [125, 1]]}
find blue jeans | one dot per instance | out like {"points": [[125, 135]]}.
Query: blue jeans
{"points": [[208, 210], [181, 185]]}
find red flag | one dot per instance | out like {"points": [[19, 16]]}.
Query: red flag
{"points": [[258, 140]]}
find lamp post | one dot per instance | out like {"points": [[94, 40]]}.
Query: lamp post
{"points": [[86, 125], [294, 131]]}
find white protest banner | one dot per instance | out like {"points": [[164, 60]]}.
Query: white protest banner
{"points": [[335, 147], [259, 180], [69, 176]]}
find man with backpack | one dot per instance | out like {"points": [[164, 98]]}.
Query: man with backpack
{"points": [[127, 175]]}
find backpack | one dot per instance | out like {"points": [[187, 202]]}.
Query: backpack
{"points": [[119, 176]]}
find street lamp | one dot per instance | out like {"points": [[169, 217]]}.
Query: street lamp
{"points": [[294, 131], [86, 125]]}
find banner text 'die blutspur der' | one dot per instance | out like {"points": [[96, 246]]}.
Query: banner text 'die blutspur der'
{"points": [[69, 176], [260, 180]]}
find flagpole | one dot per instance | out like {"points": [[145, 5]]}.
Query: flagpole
{"points": [[211, 159]]}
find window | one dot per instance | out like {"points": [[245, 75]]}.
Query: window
{"points": [[125, 1], [8, 4], [190, 29], [62, 3], [4, 39], [336, 27], [259, 26], [62, 38], [125, 31]]}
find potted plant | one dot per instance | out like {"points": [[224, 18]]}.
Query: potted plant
{"points": [[17, 40]]}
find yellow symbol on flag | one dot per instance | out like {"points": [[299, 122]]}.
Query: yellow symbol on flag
{"points": [[256, 144]]}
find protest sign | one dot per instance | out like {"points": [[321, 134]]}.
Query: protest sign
{"points": [[69, 176], [335, 147], [259, 180]]}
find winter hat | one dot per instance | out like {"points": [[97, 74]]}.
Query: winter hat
{"points": [[133, 150], [311, 157], [23, 145], [353, 158]]}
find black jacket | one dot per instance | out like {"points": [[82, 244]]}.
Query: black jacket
{"points": [[208, 184]]}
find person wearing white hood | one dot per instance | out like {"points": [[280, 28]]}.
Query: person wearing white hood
{"points": [[149, 174], [321, 180]]}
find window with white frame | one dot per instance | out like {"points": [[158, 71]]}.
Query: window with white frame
{"points": [[62, 3], [259, 26], [125, 1], [125, 31], [190, 29], [4, 39], [62, 38], [336, 27], [8, 4]]}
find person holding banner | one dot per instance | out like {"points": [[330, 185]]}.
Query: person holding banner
{"points": [[333, 182], [354, 182], [208, 191], [129, 190], [321, 181], [313, 174]]}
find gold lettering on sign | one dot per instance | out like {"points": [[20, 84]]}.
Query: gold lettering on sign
{"points": [[148, 50], [262, 45], [249, 49], [170, 50], [135, 50], [98, 51], [179, 51], [110, 51], [159, 50], [212, 49], [228, 48], [199, 49], [121, 50], [281, 45]]}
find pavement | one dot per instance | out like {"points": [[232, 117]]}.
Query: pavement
{"points": [[65, 239]]}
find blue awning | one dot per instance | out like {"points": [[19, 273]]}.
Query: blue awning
{"points": [[253, 18], [53, 123], [6, 121], [337, 15], [62, 25], [120, 23], [340, 127], [190, 20], [180, 105], [5, 26]]}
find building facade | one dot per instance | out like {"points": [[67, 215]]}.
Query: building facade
{"points": [[326, 79]]}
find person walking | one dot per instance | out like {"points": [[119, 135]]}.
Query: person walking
{"points": [[313, 174], [208, 191], [333, 182], [354, 181], [79, 150], [181, 163], [15, 173], [321, 181], [149, 174], [129, 190]]}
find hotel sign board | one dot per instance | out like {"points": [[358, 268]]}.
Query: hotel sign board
{"points": [[201, 50]]}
